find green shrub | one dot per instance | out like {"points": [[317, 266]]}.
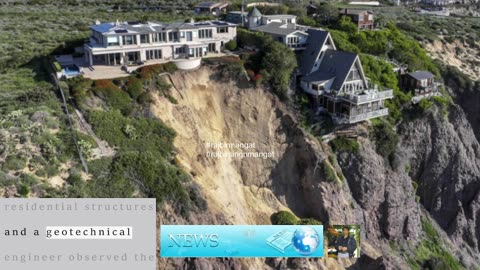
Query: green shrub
{"points": [[172, 99], [231, 71], [148, 72], [328, 171], [162, 85], [308, 221], [15, 163], [343, 144], [425, 104], [145, 98], [432, 252], [442, 101], [283, 218], [287, 218], [231, 45], [386, 139], [57, 66], [113, 96], [23, 190], [109, 126], [134, 87]]}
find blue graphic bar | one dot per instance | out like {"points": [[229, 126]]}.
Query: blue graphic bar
{"points": [[241, 241]]}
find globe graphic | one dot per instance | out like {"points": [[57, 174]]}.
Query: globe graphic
{"points": [[305, 240]]}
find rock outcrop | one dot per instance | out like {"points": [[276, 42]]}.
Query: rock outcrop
{"points": [[444, 156]]}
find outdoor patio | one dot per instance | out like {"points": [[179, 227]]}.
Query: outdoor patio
{"points": [[97, 72]]}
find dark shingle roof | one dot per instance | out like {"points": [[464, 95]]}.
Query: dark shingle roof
{"points": [[334, 64], [277, 28], [421, 75], [338, 63], [318, 76], [315, 41]]}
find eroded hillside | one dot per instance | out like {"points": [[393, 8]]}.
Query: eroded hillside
{"points": [[249, 190]]}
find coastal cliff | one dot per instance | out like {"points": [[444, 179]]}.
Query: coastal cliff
{"points": [[391, 203]]}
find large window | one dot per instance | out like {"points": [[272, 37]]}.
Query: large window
{"points": [[173, 36], [205, 33], [159, 37], [113, 41], [293, 40], [144, 38], [180, 50], [129, 40], [154, 54], [222, 30]]}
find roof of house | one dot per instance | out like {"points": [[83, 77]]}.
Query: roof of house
{"points": [[150, 27], [315, 41], [318, 76], [103, 27], [254, 13], [335, 64], [353, 11], [421, 75], [277, 28]]}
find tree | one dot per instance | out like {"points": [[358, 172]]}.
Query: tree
{"points": [[278, 64], [231, 45], [327, 13], [307, 21], [345, 24]]}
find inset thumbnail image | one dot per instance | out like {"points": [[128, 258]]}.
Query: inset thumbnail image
{"points": [[343, 241]]}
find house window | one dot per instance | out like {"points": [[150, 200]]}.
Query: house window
{"points": [[113, 41], [159, 37], [154, 54], [292, 40], [129, 40], [204, 33], [173, 36], [144, 38], [221, 30], [180, 50]]}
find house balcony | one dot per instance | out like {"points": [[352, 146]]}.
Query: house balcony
{"points": [[369, 96], [358, 117]]}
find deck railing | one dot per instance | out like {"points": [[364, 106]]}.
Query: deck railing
{"points": [[364, 98], [362, 116]]}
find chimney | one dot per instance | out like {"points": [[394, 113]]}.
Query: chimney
{"points": [[97, 22], [117, 23], [192, 20]]}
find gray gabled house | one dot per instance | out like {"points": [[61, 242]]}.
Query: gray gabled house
{"points": [[336, 81]]}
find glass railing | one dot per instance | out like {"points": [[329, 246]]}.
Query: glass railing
{"points": [[369, 96], [365, 116]]}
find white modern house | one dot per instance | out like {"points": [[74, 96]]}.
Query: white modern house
{"points": [[137, 43], [282, 28]]}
